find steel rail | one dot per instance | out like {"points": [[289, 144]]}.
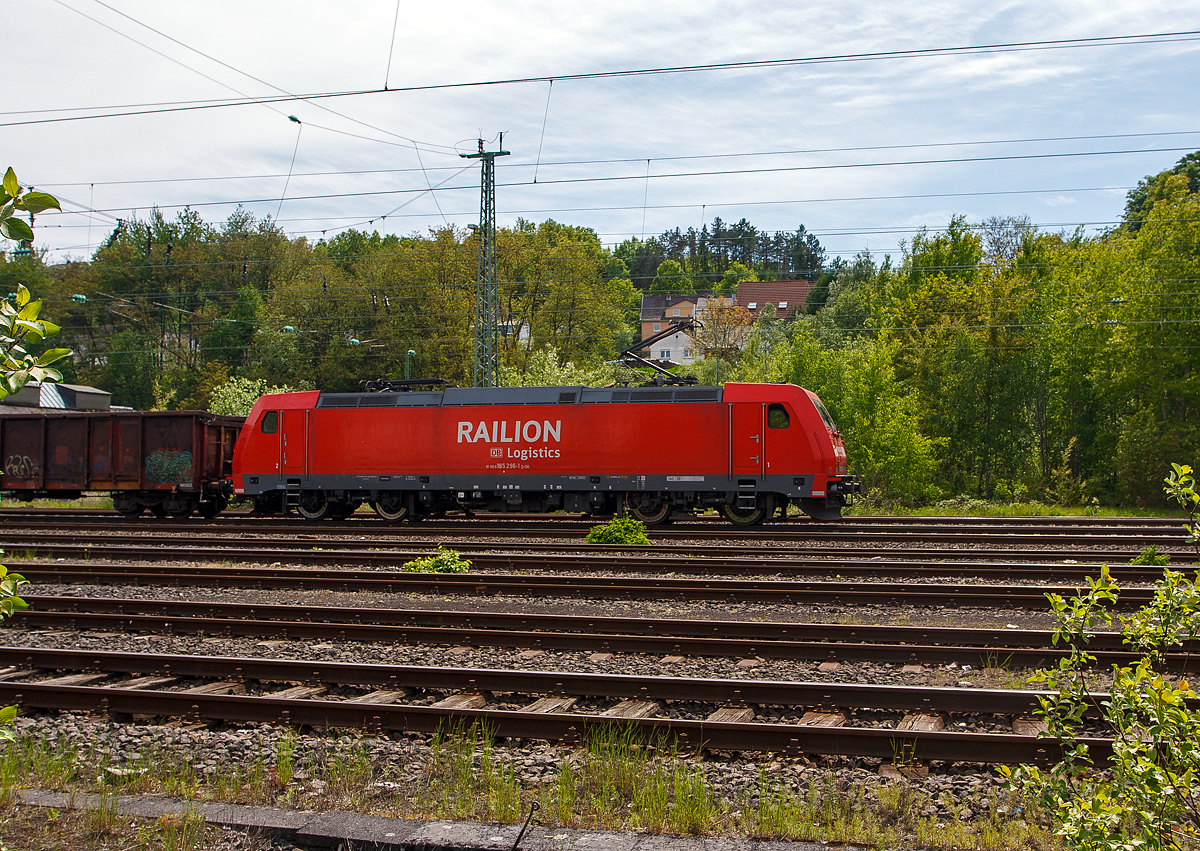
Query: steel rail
{"points": [[354, 533], [817, 695], [561, 633], [799, 563], [598, 587], [564, 727], [697, 523], [991, 748], [573, 623], [323, 551]]}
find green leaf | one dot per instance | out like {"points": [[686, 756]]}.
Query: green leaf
{"points": [[22, 295], [29, 330], [31, 310], [16, 229], [11, 186], [7, 714], [49, 329], [43, 373], [52, 355], [8, 209], [35, 202]]}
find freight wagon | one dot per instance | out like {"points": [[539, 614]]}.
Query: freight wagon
{"points": [[167, 462], [748, 450]]}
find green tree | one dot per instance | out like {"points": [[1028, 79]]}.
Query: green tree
{"points": [[671, 278], [1155, 188]]}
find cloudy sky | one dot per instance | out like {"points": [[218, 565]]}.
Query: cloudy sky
{"points": [[861, 151]]}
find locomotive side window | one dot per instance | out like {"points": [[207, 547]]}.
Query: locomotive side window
{"points": [[777, 416], [270, 422]]}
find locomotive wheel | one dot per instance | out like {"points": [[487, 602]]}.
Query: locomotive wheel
{"points": [[764, 508], [313, 506], [659, 511], [391, 508]]}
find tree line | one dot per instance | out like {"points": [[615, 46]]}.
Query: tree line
{"points": [[990, 359]]}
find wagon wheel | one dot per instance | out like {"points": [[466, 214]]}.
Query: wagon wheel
{"points": [[131, 511], [657, 512], [313, 505], [762, 510], [391, 507]]}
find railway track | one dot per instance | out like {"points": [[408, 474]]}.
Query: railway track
{"points": [[713, 520], [779, 591], [735, 639], [1130, 536], [312, 549], [539, 705]]}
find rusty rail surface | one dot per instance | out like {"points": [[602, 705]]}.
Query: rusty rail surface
{"points": [[794, 641], [560, 726], [941, 594]]}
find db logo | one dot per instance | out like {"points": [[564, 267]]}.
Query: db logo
{"points": [[497, 452]]}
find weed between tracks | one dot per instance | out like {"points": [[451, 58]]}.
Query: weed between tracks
{"points": [[613, 780]]}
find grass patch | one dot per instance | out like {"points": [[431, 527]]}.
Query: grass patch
{"points": [[1151, 557], [966, 506], [446, 561], [616, 779], [619, 530]]}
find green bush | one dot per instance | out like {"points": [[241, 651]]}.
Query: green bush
{"points": [[620, 530], [1151, 557], [446, 561]]}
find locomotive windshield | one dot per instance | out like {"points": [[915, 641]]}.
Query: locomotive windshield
{"points": [[824, 414]]}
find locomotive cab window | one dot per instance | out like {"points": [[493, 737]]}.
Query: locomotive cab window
{"points": [[270, 422], [777, 416]]}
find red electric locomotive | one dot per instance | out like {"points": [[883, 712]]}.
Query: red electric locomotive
{"points": [[747, 449]]}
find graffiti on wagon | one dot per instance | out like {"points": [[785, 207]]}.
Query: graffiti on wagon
{"points": [[20, 467], [169, 466]]}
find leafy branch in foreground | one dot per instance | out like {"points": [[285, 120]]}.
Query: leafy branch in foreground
{"points": [[20, 326], [10, 603], [1148, 795], [15, 198], [1181, 487]]}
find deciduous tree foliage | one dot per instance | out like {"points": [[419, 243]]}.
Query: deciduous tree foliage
{"points": [[989, 358]]}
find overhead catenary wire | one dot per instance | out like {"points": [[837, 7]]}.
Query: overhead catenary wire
{"points": [[872, 56], [727, 155], [220, 62], [688, 174]]}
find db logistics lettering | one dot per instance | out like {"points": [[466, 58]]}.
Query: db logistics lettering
{"points": [[523, 432]]}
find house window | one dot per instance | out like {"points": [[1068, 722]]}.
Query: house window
{"points": [[752, 305], [657, 326], [783, 305], [675, 312], [687, 353], [665, 354]]}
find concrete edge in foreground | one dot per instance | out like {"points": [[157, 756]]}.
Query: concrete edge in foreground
{"points": [[376, 833]]}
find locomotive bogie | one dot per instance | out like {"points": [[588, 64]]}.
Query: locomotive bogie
{"points": [[657, 453]]}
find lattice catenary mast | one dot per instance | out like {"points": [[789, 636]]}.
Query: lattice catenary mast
{"points": [[486, 371]]}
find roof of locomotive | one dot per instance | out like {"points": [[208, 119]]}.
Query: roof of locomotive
{"points": [[464, 396]]}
